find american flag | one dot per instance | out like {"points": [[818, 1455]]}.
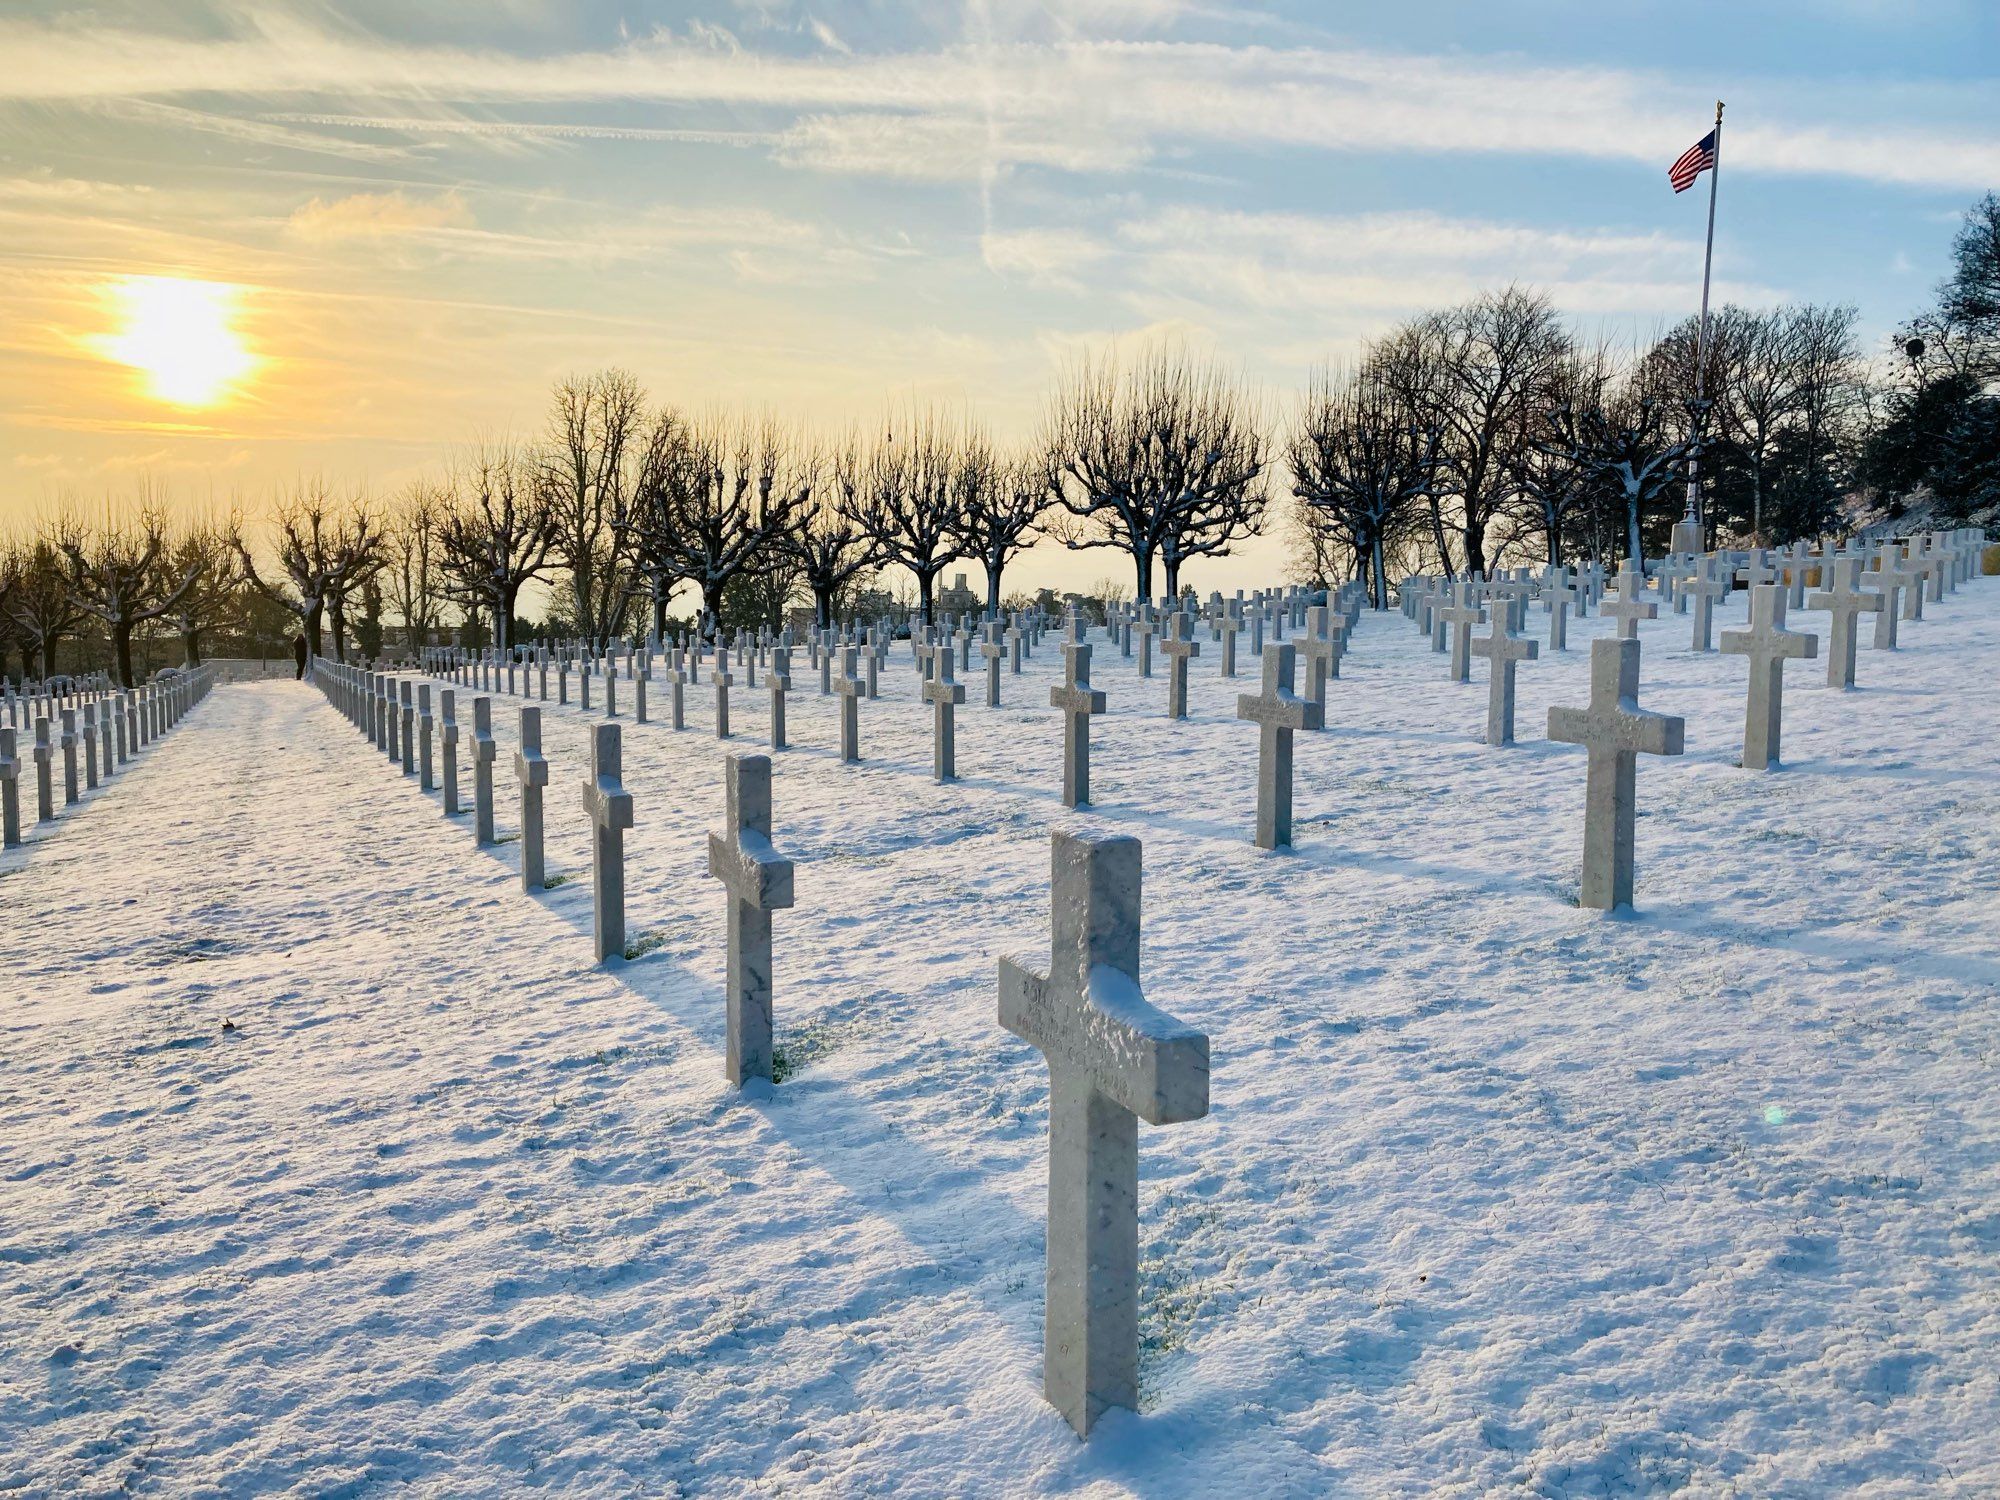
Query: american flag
{"points": [[1694, 161]]}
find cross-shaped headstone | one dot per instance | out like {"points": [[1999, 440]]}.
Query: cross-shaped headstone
{"points": [[1559, 596], [944, 694], [993, 650], [1844, 601], [1113, 1059], [531, 770], [1228, 627], [45, 800], [1615, 730], [484, 753], [1145, 629], [1769, 646], [1633, 604], [1177, 646], [1318, 646], [779, 682], [758, 882], [1707, 586], [849, 687], [426, 730], [1279, 713], [610, 809], [1756, 570], [448, 756], [1078, 701], [722, 681], [1505, 651], [1464, 613], [70, 792], [10, 790]]}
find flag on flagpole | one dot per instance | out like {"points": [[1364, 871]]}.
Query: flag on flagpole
{"points": [[1694, 161]]}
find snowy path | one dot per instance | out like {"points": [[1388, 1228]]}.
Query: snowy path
{"points": [[1495, 1192]]}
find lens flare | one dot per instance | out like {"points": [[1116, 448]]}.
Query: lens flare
{"points": [[180, 335]]}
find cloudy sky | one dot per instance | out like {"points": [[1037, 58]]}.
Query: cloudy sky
{"points": [[408, 216]]}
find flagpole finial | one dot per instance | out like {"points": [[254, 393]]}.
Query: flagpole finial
{"points": [[1718, 111]]}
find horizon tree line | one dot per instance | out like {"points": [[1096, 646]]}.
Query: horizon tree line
{"points": [[1462, 439]]}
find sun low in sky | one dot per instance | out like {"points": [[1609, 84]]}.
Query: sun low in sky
{"points": [[180, 335]]}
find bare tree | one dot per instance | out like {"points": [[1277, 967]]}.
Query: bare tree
{"points": [[1161, 461], [413, 558], [1003, 503], [356, 555], [717, 500], [201, 552], [39, 604], [1363, 459], [117, 571], [1626, 441], [1555, 484], [305, 522], [1478, 372], [588, 466], [911, 498], [833, 547], [495, 535]]}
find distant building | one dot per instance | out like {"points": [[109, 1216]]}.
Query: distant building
{"points": [[958, 599]]}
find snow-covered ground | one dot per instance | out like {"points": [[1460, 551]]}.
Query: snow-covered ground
{"points": [[1496, 1193]]}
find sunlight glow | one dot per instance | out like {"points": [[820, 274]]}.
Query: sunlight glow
{"points": [[180, 334]]}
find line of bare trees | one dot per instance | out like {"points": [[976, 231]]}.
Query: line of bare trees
{"points": [[1467, 438], [1487, 434]]}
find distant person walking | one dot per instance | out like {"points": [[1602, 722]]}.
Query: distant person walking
{"points": [[299, 655]]}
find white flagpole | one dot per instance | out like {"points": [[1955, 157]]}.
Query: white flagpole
{"points": [[1701, 338]]}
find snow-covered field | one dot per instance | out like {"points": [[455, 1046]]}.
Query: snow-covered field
{"points": [[1496, 1193]]}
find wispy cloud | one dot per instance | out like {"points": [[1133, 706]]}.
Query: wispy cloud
{"points": [[377, 216], [1141, 95]]}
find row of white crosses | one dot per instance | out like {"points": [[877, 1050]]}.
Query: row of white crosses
{"points": [[1113, 1058], [95, 731]]}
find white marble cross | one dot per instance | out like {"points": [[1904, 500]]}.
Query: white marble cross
{"points": [[1633, 605], [1845, 602], [1079, 701], [1505, 651], [758, 882], [484, 753], [778, 681], [610, 809], [10, 790], [1279, 713], [44, 752], [1615, 730], [849, 687], [1113, 1059], [448, 756], [426, 729], [1465, 612], [1558, 596], [1177, 646], [722, 681], [944, 694], [992, 648], [531, 770], [1707, 586], [1769, 646], [1318, 646]]}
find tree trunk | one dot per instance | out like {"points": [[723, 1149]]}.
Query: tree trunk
{"points": [[190, 648], [993, 591], [48, 657], [1634, 547], [823, 608], [1142, 565], [121, 640], [1173, 577], [711, 605], [1380, 572]]}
